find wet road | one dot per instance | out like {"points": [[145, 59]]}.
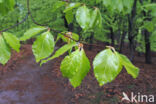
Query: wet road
{"points": [[32, 84]]}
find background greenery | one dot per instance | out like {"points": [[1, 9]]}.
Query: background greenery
{"points": [[117, 16]]}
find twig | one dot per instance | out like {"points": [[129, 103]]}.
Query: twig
{"points": [[35, 22], [15, 25]]}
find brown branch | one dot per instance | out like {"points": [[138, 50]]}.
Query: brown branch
{"points": [[15, 25], [35, 22]]}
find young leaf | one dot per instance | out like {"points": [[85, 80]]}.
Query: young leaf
{"points": [[58, 5], [1, 1], [98, 1], [6, 6], [75, 36], [131, 69], [75, 67], [5, 52], [69, 16], [32, 32], [151, 7], [119, 5], [149, 26], [107, 2], [60, 52], [99, 19], [61, 36], [96, 19], [71, 6], [127, 5], [93, 17], [69, 34], [153, 41], [83, 17], [106, 66], [43, 46], [12, 40]]}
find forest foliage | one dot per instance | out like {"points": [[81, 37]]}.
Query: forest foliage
{"points": [[80, 21]]}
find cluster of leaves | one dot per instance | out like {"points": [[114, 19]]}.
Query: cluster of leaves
{"points": [[53, 16], [146, 22], [107, 64], [75, 66], [115, 16], [6, 6], [8, 41], [119, 5]]}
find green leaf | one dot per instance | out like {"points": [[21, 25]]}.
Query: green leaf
{"points": [[96, 19], [12, 40], [88, 19], [75, 36], [43, 46], [131, 69], [6, 6], [107, 2], [93, 19], [75, 67], [99, 20], [153, 41], [61, 36], [69, 34], [119, 5], [58, 5], [69, 64], [1, 1], [32, 32], [151, 7], [106, 66], [3, 11], [98, 1], [69, 16], [10, 4], [5, 52], [60, 52], [149, 26], [128, 5], [71, 6], [83, 17]]}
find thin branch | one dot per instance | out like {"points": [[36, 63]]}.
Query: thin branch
{"points": [[35, 22], [15, 25]]}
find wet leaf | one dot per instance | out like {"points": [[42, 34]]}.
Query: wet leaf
{"points": [[83, 17], [58, 5], [96, 19], [65, 38], [43, 46], [69, 16], [60, 52], [106, 66], [12, 40], [5, 52], [71, 6], [131, 69], [32, 32], [75, 67], [93, 17]]}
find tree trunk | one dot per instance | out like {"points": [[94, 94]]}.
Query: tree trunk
{"points": [[122, 41], [147, 47], [70, 27], [148, 58], [112, 37], [130, 38], [91, 40], [131, 30], [131, 45]]}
